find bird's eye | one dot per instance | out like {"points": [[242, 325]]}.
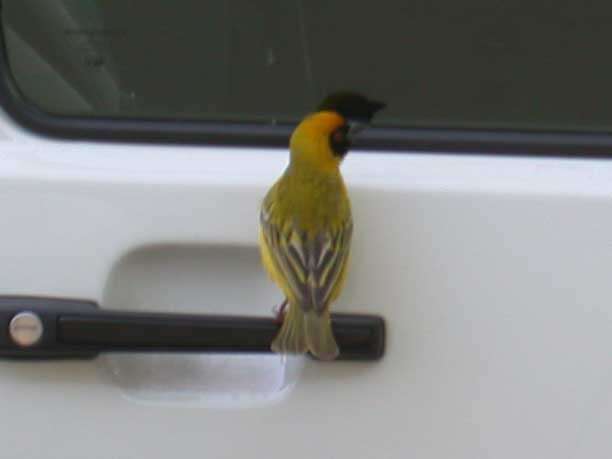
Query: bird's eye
{"points": [[339, 141], [339, 135]]}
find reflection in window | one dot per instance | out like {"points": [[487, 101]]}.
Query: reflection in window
{"points": [[476, 63]]}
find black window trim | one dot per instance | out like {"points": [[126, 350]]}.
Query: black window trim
{"points": [[401, 140]]}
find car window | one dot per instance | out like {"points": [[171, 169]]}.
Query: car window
{"points": [[511, 65]]}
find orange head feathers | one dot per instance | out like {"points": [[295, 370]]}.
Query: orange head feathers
{"points": [[323, 138]]}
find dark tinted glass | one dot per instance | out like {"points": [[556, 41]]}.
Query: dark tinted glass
{"points": [[519, 64]]}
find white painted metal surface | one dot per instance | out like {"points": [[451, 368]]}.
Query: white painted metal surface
{"points": [[493, 275]]}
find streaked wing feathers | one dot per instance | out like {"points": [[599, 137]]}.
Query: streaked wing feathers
{"points": [[311, 265]]}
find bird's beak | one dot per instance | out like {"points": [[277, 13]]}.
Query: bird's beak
{"points": [[355, 127], [376, 106]]}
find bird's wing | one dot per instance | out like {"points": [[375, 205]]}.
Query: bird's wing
{"points": [[312, 266]]}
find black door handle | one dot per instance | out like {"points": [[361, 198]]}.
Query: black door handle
{"points": [[39, 328]]}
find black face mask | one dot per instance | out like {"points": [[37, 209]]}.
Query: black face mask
{"points": [[356, 109], [339, 141], [352, 106]]}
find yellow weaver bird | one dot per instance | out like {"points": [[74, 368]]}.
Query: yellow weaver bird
{"points": [[306, 224]]}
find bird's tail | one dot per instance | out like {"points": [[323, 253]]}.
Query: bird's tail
{"points": [[320, 337], [303, 332]]}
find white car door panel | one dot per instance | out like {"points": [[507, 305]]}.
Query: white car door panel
{"points": [[492, 274]]}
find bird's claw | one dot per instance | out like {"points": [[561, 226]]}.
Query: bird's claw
{"points": [[279, 312]]}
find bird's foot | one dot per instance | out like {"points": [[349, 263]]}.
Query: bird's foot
{"points": [[279, 312]]}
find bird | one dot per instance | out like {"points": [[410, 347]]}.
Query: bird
{"points": [[306, 224]]}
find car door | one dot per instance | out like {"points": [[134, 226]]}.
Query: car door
{"points": [[138, 139]]}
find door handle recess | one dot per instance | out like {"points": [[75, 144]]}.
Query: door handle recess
{"points": [[39, 328]]}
